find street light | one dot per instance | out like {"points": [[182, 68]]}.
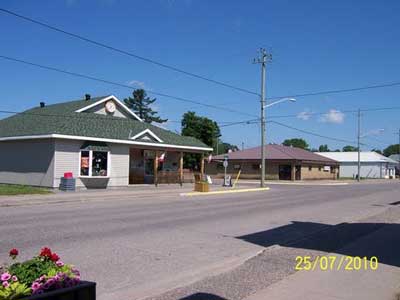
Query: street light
{"points": [[280, 101], [263, 156]]}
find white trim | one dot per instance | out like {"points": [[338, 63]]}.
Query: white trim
{"points": [[111, 97], [84, 138], [148, 131]]}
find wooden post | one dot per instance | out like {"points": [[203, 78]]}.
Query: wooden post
{"points": [[181, 168], [202, 166], [293, 173], [156, 168]]}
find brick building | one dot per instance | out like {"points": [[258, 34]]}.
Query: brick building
{"points": [[282, 163]]}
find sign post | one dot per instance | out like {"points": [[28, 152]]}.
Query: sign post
{"points": [[227, 178]]}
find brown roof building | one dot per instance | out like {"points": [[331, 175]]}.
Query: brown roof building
{"points": [[282, 162]]}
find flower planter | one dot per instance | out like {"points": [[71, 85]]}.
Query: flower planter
{"points": [[85, 290], [43, 277], [201, 187]]}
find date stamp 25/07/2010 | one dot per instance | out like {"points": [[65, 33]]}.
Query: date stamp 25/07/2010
{"points": [[335, 263]]}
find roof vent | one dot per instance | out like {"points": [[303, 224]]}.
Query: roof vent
{"points": [[42, 104], [87, 97]]}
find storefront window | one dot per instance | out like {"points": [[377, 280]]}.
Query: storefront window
{"points": [[99, 163], [94, 163], [84, 163]]}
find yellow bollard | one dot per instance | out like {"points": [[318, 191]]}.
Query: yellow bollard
{"points": [[237, 178]]}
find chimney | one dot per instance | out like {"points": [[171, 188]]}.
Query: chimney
{"points": [[42, 104], [87, 97]]}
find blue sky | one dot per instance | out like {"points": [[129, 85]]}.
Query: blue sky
{"points": [[316, 45]]}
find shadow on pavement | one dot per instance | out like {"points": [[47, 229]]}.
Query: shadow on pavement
{"points": [[203, 296], [384, 243]]}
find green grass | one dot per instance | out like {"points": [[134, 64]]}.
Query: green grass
{"points": [[13, 189]]}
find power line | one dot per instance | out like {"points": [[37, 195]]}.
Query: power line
{"points": [[297, 129], [121, 85], [48, 26], [313, 133], [368, 87], [252, 121], [312, 114], [125, 52], [339, 111]]}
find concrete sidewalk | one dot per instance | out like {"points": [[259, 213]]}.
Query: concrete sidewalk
{"points": [[382, 284], [132, 192]]}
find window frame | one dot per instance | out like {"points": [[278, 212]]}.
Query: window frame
{"points": [[91, 164]]}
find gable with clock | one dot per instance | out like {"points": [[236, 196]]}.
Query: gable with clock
{"points": [[111, 106]]}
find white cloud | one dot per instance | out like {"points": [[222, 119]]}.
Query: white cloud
{"points": [[137, 83], [304, 115], [333, 116]]}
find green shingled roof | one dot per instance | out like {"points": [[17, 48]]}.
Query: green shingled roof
{"points": [[62, 119]]}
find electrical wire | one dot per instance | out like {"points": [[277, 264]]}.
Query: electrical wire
{"points": [[339, 111], [122, 85], [125, 52], [327, 92], [368, 87], [313, 133]]}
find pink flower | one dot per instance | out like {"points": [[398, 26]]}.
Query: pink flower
{"points": [[5, 276], [6, 284], [59, 263], [14, 278], [35, 286]]}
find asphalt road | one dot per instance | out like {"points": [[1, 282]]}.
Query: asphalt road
{"points": [[135, 248]]}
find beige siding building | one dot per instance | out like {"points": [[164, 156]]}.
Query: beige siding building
{"points": [[100, 141]]}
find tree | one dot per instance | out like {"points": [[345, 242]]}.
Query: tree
{"points": [[225, 147], [323, 148], [296, 142], [377, 151], [140, 104], [202, 128], [392, 149], [349, 148]]}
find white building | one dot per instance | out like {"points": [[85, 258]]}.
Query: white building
{"points": [[373, 165]]}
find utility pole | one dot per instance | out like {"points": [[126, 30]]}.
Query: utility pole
{"points": [[358, 146], [263, 59], [242, 146], [398, 166]]}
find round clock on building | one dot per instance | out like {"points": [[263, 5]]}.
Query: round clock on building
{"points": [[110, 107]]}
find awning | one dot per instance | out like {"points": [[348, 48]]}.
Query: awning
{"points": [[95, 146]]}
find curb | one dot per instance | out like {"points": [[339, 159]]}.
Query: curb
{"points": [[225, 192]]}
